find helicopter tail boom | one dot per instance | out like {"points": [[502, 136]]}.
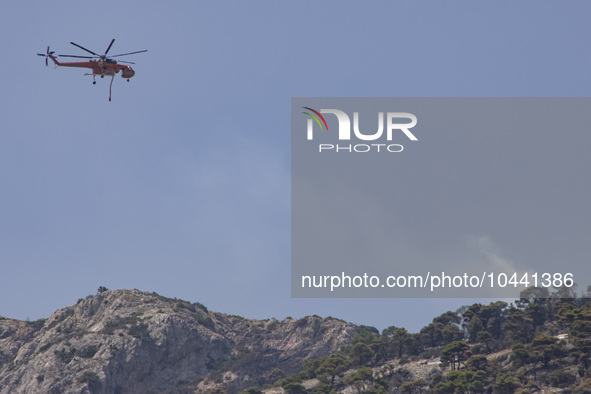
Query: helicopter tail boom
{"points": [[55, 60]]}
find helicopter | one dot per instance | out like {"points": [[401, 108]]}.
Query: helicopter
{"points": [[99, 64]]}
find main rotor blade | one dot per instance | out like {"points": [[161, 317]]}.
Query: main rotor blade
{"points": [[107, 51], [81, 57], [81, 47], [130, 53], [40, 54]]}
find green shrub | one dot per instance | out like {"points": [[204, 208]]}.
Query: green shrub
{"points": [[252, 390], [294, 388], [88, 351], [204, 320], [37, 324], [186, 305], [91, 379], [561, 378], [119, 323], [64, 355], [139, 331]]}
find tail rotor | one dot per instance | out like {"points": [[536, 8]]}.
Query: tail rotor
{"points": [[46, 55]]}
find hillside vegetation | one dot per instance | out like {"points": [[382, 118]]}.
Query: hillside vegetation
{"points": [[540, 343], [128, 341]]}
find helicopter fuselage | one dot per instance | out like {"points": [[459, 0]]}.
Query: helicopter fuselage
{"points": [[99, 67]]}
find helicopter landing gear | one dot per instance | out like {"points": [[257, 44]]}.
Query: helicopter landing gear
{"points": [[93, 80], [102, 76], [127, 79]]}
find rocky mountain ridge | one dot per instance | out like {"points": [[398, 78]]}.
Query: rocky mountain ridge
{"points": [[128, 341]]}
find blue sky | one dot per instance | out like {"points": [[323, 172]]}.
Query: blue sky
{"points": [[181, 184]]}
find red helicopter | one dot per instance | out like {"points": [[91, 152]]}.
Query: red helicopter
{"points": [[99, 64]]}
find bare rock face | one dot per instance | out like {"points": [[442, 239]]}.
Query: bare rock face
{"points": [[128, 341]]}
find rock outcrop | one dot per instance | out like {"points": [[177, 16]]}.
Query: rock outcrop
{"points": [[128, 341]]}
